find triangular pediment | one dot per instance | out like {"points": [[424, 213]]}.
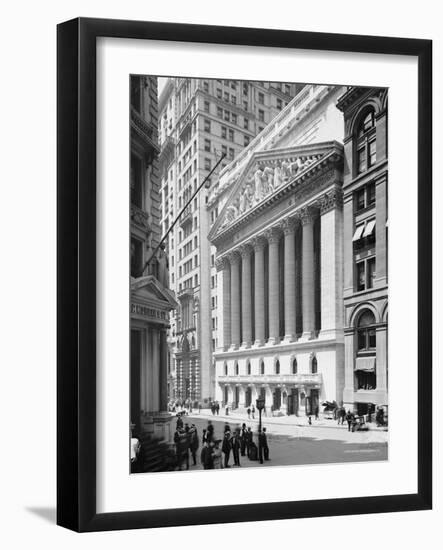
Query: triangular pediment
{"points": [[264, 177], [148, 289]]}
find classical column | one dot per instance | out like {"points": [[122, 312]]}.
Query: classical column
{"points": [[259, 244], [289, 226], [331, 262], [163, 385], [246, 252], [273, 236], [222, 264], [234, 259], [308, 283]]}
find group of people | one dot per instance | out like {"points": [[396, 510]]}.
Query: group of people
{"points": [[215, 408], [216, 452]]}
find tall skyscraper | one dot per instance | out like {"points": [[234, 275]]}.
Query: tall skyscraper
{"points": [[199, 120]]}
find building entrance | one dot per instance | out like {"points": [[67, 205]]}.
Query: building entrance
{"points": [[236, 397], [276, 399], [293, 402], [248, 397], [135, 378]]}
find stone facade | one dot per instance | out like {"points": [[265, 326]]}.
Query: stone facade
{"points": [[198, 121], [151, 299], [365, 247], [279, 243]]}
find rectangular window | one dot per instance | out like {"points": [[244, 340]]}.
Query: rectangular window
{"points": [[261, 115], [207, 164], [361, 159], [224, 131], [219, 93], [360, 276], [234, 118], [371, 194], [224, 149], [207, 145], [279, 104], [231, 153], [360, 199], [261, 98], [245, 105], [372, 152], [207, 125], [206, 86], [233, 99], [231, 135], [206, 106], [246, 123], [227, 116], [226, 96], [371, 272], [245, 141]]}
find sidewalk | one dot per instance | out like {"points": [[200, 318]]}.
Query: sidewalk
{"points": [[288, 420]]}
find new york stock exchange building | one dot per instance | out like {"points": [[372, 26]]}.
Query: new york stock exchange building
{"points": [[280, 262]]}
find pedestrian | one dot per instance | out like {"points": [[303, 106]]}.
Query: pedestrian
{"points": [[204, 436], [265, 445], [178, 448], [249, 413], [235, 446], [249, 441], [226, 448], [309, 420], [253, 412], [349, 418], [194, 444], [227, 410], [206, 456], [210, 432], [199, 407], [179, 425], [217, 455], [243, 439], [217, 408], [316, 412], [260, 446], [226, 428]]}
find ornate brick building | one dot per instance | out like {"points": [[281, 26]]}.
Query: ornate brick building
{"points": [[365, 190]]}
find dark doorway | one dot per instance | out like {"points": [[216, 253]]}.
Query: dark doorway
{"points": [[276, 399], [236, 397], [135, 378], [248, 397], [293, 402], [313, 401]]}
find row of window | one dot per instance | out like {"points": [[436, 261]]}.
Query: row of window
{"points": [[261, 369]]}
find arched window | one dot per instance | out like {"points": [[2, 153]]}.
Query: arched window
{"points": [[314, 366], [236, 368], [277, 367], [294, 366], [262, 367], [226, 369], [248, 367], [366, 338], [366, 145]]}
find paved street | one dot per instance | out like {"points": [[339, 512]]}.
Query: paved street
{"points": [[291, 444]]}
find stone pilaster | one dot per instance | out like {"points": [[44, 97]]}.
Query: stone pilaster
{"points": [[259, 244], [246, 252], [273, 236], [222, 264], [234, 259], [163, 382], [331, 262], [308, 283], [289, 227]]}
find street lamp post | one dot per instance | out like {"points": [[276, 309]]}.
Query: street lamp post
{"points": [[260, 406]]}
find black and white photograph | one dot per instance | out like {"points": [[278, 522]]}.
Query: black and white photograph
{"points": [[258, 274]]}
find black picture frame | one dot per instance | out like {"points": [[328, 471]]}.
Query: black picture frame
{"points": [[76, 294]]}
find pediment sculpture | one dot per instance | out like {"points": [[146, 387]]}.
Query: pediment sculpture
{"points": [[262, 180]]}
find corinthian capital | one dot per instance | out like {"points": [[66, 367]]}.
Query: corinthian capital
{"points": [[258, 243], [273, 235], [307, 215], [330, 200], [245, 250], [234, 257], [289, 225], [221, 263]]}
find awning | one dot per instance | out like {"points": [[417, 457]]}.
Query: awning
{"points": [[358, 233], [370, 226], [366, 364]]}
